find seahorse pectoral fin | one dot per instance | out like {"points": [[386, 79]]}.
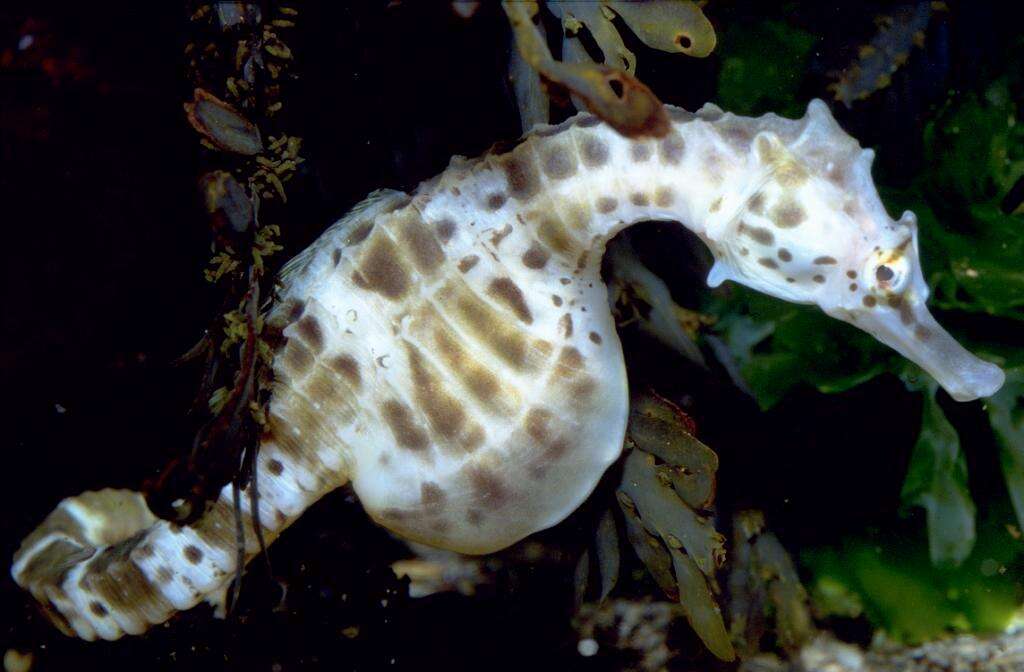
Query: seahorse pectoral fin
{"points": [[720, 272]]}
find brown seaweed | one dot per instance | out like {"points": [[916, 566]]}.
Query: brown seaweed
{"points": [[888, 51], [222, 124], [763, 582], [613, 95], [667, 475]]}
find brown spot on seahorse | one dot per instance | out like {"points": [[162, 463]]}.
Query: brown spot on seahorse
{"points": [[640, 152], [558, 162], [404, 427], [193, 554], [761, 235], [522, 177], [381, 269], [507, 292], [536, 257], [445, 229], [432, 495], [756, 204], [671, 149], [788, 214], [425, 251], [445, 413], [594, 151], [495, 201], [488, 488], [348, 367], [311, 332]]}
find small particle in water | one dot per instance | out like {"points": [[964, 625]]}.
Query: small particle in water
{"points": [[989, 567], [60, 409], [587, 647]]}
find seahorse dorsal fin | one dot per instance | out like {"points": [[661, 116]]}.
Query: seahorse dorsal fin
{"points": [[710, 110]]}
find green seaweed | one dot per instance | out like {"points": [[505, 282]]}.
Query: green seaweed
{"points": [[750, 83], [773, 341], [937, 481], [1006, 412], [895, 584]]}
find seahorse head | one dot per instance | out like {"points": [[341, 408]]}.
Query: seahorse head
{"points": [[812, 229]]}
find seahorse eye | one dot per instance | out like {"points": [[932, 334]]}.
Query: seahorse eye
{"points": [[891, 275]]}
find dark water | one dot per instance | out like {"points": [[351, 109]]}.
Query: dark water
{"points": [[104, 242]]}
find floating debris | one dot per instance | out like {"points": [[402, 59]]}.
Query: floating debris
{"points": [[437, 571]]}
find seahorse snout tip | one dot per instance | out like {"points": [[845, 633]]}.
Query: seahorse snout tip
{"points": [[982, 380]]}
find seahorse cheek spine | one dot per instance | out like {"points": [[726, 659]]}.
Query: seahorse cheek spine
{"points": [[452, 354]]}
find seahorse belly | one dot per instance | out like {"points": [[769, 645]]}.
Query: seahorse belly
{"points": [[490, 367]]}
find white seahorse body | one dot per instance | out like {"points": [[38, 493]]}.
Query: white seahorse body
{"points": [[453, 355]]}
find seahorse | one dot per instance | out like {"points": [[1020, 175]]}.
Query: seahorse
{"points": [[451, 353]]}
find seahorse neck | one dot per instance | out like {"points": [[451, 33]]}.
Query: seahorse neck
{"points": [[695, 176]]}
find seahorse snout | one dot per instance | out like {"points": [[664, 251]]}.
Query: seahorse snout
{"points": [[905, 324]]}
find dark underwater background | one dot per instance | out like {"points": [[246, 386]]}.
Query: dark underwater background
{"points": [[104, 240]]}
